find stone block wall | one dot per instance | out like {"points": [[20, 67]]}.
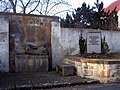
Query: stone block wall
{"points": [[57, 53], [24, 39], [31, 63], [4, 45], [103, 70]]}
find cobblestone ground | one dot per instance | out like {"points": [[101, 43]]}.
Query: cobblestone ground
{"points": [[39, 80]]}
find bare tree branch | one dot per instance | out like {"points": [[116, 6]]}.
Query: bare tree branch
{"points": [[22, 3], [47, 7], [41, 9], [15, 2], [44, 7], [39, 12], [56, 4], [24, 6], [13, 6], [35, 7], [28, 3], [61, 12]]}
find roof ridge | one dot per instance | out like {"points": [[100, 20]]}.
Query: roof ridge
{"points": [[113, 5]]}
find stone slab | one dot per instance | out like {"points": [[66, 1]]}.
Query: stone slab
{"points": [[65, 69], [94, 42]]}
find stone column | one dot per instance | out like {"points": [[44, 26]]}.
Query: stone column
{"points": [[56, 46]]}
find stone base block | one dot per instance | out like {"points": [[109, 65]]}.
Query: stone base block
{"points": [[65, 69], [103, 70], [31, 63]]}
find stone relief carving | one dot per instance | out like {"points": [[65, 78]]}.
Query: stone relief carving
{"points": [[36, 49]]}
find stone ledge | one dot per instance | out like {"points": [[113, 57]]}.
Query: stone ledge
{"points": [[99, 61], [104, 70]]}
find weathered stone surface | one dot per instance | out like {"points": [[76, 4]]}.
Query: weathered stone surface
{"points": [[84, 65], [68, 61], [102, 70], [31, 63], [113, 73], [4, 45], [29, 34], [88, 72], [78, 63], [65, 69], [90, 66], [57, 49], [36, 50]]}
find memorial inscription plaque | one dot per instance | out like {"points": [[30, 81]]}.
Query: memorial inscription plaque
{"points": [[94, 42]]}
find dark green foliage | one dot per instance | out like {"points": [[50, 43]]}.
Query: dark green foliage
{"points": [[105, 47], [83, 15], [67, 22], [95, 17], [110, 20], [104, 20], [82, 44]]}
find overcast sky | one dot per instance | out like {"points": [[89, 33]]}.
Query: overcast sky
{"points": [[77, 3]]}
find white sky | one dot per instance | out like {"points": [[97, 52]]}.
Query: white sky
{"points": [[77, 3]]}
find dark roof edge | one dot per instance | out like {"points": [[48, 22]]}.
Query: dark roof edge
{"points": [[35, 15]]}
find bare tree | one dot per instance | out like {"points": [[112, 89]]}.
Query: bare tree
{"points": [[44, 7], [13, 4], [5, 6], [53, 7], [29, 6]]}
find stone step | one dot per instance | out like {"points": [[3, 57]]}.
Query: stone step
{"points": [[65, 69]]}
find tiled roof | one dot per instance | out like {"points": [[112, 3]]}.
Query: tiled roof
{"points": [[113, 5]]}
